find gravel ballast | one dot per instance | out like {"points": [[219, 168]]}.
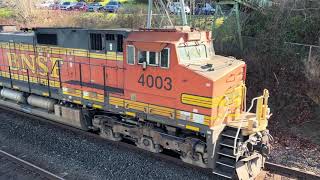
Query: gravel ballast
{"points": [[73, 155], [76, 156]]}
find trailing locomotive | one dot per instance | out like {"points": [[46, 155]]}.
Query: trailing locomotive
{"points": [[160, 88]]}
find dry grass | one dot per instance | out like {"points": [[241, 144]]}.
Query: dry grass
{"points": [[312, 71]]}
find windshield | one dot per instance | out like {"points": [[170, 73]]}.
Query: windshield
{"points": [[66, 3], [192, 53]]}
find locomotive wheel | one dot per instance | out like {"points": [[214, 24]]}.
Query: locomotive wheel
{"points": [[147, 143], [107, 133], [193, 158]]}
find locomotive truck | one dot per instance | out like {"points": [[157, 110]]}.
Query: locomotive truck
{"points": [[159, 88]]}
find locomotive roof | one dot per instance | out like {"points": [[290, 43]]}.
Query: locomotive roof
{"points": [[18, 33], [68, 37], [168, 35], [19, 37], [83, 29], [162, 37]]}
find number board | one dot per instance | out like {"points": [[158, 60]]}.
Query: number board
{"points": [[156, 82]]}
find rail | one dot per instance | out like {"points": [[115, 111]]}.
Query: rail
{"points": [[30, 166], [288, 171], [271, 167]]}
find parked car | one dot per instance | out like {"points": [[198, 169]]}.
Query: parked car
{"points": [[175, 8], [205, 9], [81, 6], [67, 6], [112, 6], [94, 7], [45, 4], [54, 6]]}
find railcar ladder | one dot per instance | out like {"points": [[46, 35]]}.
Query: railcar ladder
{"points": [[225, 160]]}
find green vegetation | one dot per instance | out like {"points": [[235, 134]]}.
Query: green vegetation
{"points": [[6, 13], [131, 16], [103, 2], [290, 71]]}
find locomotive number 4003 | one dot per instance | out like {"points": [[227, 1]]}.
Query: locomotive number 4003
{"points": [[158, 82]]}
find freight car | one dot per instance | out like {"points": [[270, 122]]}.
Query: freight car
{"points": [[160, 88]]}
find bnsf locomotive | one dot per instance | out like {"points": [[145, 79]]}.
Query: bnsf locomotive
{"points": [[160, 88]]}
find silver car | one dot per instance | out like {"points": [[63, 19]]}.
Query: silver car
{"points": [[67, 6], [94, 7]]}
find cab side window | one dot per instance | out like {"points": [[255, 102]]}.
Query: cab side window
{"points": [[153, 59], [130, 54], [142, 57], [150, 57], [165, 58]]}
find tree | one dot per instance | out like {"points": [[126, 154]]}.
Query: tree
{"points": [[25, 10]]}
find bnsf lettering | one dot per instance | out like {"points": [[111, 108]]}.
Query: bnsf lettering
{"points": [[157, 82], [40, 64]]}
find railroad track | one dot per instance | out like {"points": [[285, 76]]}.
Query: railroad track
{"points": [[290, 172], [270, 167], [13, 167]]}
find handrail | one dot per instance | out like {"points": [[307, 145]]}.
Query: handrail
{"points": [[224, 116], [240, 125], [263, 110]]}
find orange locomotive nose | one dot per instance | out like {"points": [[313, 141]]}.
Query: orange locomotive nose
{"points": [[227, 78]]}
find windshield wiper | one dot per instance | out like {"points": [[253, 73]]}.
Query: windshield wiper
{"points": [[208, 67]]}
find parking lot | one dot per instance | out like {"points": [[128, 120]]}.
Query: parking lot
{"points": [[113, 6]]}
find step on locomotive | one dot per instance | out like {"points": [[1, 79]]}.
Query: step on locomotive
{"points": [[160, 88]]}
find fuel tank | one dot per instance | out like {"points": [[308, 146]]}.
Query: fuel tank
{"points": [[14, 95], [42, 102]]}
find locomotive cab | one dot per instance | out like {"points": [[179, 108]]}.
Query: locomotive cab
{"points": [[179, 69]]}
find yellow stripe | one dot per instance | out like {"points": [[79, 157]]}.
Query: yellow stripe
{"points": [[131, 114], [31, 79], [136, 105], [71, 94], [93, 96], [97, 106], [234, 98], [162, 111], [77, 101], [113, 56], [196, 100], [82, 53], [93, 99], [153, 109], [116, 101], [192, 128]]}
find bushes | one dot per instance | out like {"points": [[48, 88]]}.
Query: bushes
{"points": [[275, 62], [132, 16], [6, 13]]}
